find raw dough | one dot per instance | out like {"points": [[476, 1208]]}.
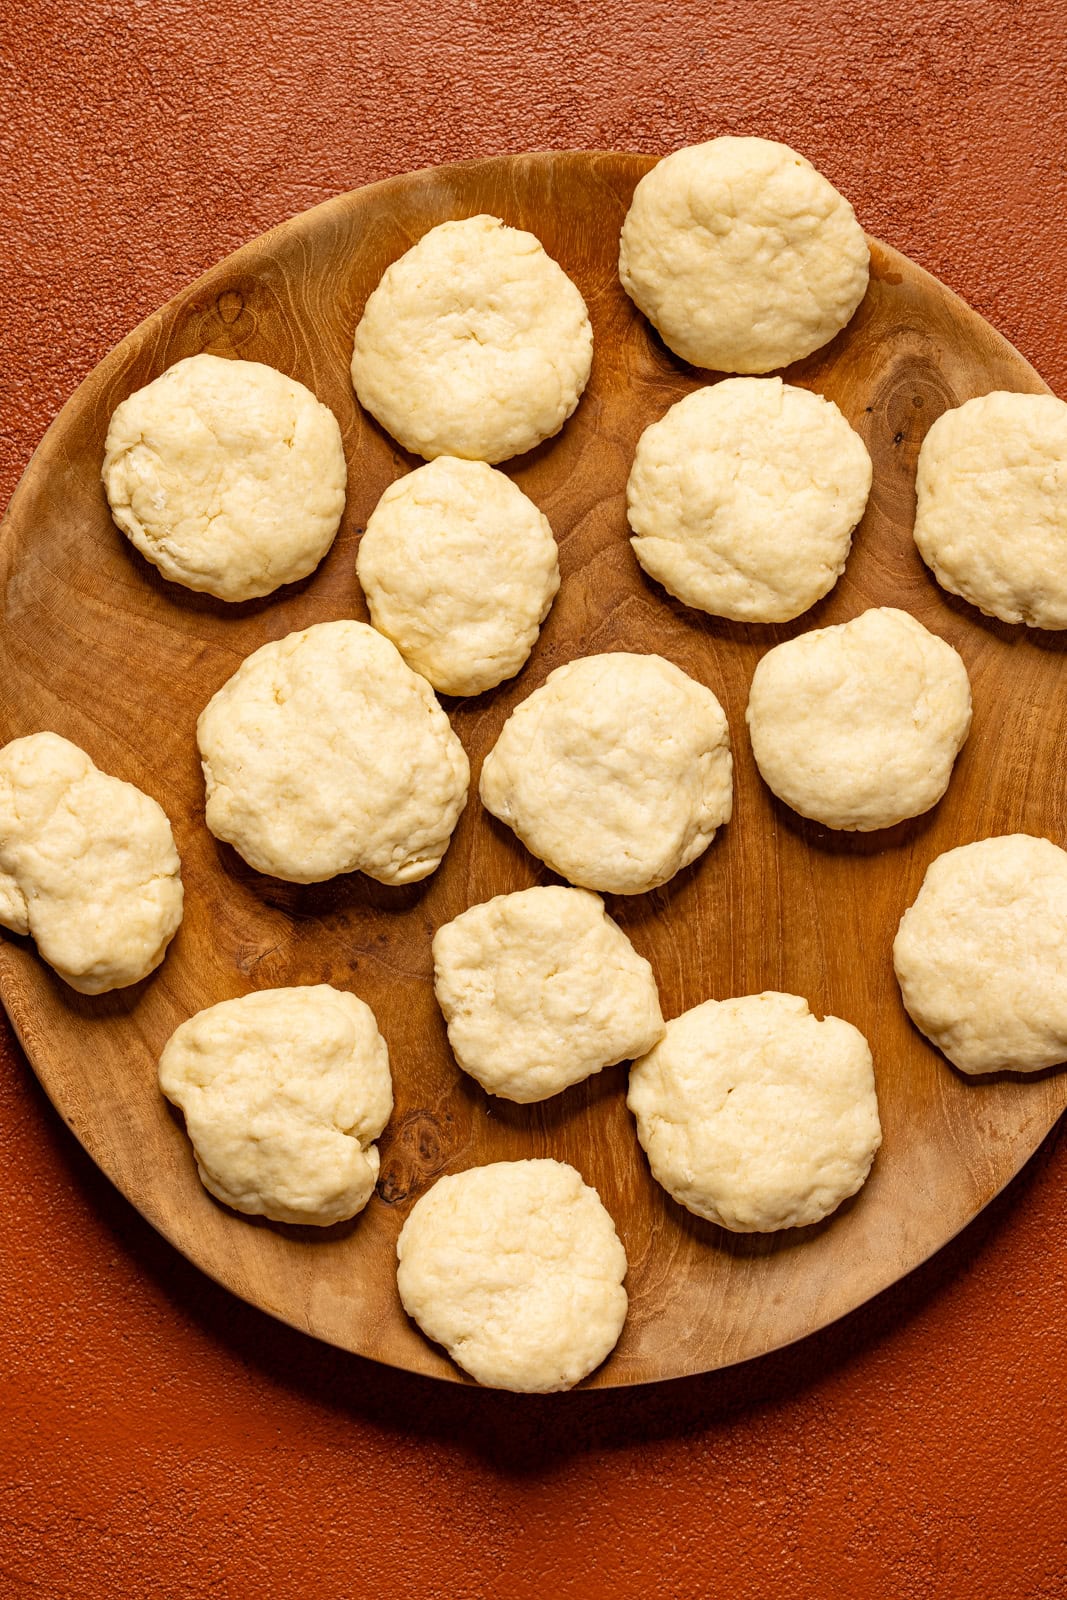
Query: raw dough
{"points": [[857, 726], [991, 517], [475, 343], [226, 475], [459, 569], [541, 989], [742, 255], [616, 772], [325, 753], [88, 866], [284, 1092], [744, 496], [755, 1114], [981, 956], [517, 1270]]}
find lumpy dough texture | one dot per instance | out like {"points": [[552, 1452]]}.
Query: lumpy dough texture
{"points": [[991, 512], [755, 1114], [88, 866], [459, 569], [744, 496], [616, 772], [857, 726], [540, 989], [475, 343], [517, 1270], [742, 255], [284, 1092], [226, 475], [325, 753], [981, 956]]}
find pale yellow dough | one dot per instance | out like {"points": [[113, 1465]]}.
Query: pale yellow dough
{"points": [[227, 475], [742, 255], [324, 753], [88, 866], [743, 498], [981, 955], [616, 772], [857, 726], [991, 512], [540, 989], [284, 1092], [475, 343], [517, 1270], [459, 569], [757, 1115]]}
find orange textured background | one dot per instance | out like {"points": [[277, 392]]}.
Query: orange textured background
{"points": [[158, 1438]]}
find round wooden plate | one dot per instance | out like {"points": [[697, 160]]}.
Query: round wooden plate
{"points": [[95, 645]]}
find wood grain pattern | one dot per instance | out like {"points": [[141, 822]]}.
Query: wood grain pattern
{"points": [[95, 645]]}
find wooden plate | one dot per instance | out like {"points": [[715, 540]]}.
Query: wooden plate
{"points": [[96, 646]]}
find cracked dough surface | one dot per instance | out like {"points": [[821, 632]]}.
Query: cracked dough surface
{"points": [[517, 1270], [742, 255], [459, 569], [88, 866], [857, 726], [541, 989], [743, 498], [284, 1092], [227, 476], [981, 955], [757, 1115], [475, 343], [991, 513], [616, 772], [324, 753]]}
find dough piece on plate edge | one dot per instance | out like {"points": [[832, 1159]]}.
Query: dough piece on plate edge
{"points": [[991, 506], [88, 866], [981, 955], [742, 255], [517, 1270]]}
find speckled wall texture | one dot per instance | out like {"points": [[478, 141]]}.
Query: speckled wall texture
{"points": [[160, 1439]]}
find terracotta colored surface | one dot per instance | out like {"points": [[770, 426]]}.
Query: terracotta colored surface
{"points": [[159, 1438]]}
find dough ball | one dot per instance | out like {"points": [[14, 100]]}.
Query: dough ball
{"points": [[858, 726], [981, 956], [742, 255], [755, 1114], [541, 989], [744, 496], [284, 1092], [616, 772], [226, 475], [991, 516], [475, 343], [517, 1270], [459, 569], [324, 753], [88, 866]]}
